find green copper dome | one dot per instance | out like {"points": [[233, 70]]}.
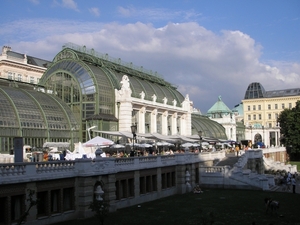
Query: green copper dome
{"points": [[219, 108]]}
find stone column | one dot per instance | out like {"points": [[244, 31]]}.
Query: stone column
{"points": [[125, 119], [180, 179], [84, 196], [141, 119], [182, 124], [164, 125], [136, 184], [153, 121], [123, 96], [187, 106], [159, 187], [110, 192], [174, 124], [33, 211]]}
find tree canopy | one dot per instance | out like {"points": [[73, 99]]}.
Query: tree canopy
{"points": [[289, 120]]}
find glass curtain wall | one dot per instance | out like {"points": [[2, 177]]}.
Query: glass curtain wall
{"points": [[86, 89]]}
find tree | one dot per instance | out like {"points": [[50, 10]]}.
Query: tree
{"points": [[289, 120], [101, 208], [32, 202]]}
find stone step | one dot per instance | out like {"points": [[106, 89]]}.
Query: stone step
{"points": [[229, 160], [274, 188]]}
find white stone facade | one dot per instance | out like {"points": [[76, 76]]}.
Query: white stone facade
{"points": [[15, 68], [229, 123], [163, 118]]}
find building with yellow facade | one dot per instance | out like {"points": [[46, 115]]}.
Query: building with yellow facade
{"points": [[262, 109]]}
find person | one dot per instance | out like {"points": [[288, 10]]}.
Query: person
{"points": [[45, 156], [293, 181], [288, 183], [197, 189], [237, 149]]}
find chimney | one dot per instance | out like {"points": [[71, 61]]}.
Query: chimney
{"points": [[5, 49]]}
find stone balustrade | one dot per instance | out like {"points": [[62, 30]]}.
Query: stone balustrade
{"points": [[238, 176], [273, 149], [36, 171], [31, 171]]}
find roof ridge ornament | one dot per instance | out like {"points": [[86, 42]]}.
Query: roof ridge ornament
{"points": [[125, 90], [154, 98], [142, 94], [125, 82]]}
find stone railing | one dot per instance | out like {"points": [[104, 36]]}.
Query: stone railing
{"points": [[31, 171], [249, 154], [270, 164], [273, 149], [24, 172], [237, 176], [55, 166]]}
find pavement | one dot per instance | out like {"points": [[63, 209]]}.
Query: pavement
{"points": [[283, 189]]}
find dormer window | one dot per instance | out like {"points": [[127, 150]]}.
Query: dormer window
{"points": [[19, 77], [10, 76]]}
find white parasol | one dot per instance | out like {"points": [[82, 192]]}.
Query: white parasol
{"points": [[98, 141]]}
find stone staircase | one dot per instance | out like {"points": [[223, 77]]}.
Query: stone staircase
{"points": [[229, 160]]}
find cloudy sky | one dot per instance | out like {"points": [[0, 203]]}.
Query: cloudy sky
{"points": [[207, 48]]}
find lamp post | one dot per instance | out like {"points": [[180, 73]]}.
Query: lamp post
{"points": [[99, 206], [263, 128], [200, 136], [133, 131], [88, 130], [118, 105], [251, 132]]}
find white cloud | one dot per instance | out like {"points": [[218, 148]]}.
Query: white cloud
{"points": [[95, 11], [70, 4], [36, 2], [200, 62], [126, 11], [157, 14]]}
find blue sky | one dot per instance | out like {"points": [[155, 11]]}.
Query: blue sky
{"points": [[207, 48]]}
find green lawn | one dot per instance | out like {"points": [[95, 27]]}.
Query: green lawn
{"points": [[223, 206], [295, 163]]}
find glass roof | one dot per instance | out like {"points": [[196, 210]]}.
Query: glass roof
{"points": [[208, 127], [33, 109], [140, 79], [28, 110], [77, 69], [282, 93], [56, 115], [8, 115], [254, 90]]}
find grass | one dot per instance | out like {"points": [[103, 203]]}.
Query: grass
{"points": [[295, 163], [222, 206]]}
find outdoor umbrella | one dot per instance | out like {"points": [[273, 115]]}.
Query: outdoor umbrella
{"points": [[117, 146], [98, 141], [145, 145], [187, 145], [163, 143]]}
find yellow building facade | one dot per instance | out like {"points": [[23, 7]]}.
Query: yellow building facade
{"points": [[262, 109]]}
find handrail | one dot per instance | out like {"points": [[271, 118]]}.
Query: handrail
{"points": [[14, 172]]}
